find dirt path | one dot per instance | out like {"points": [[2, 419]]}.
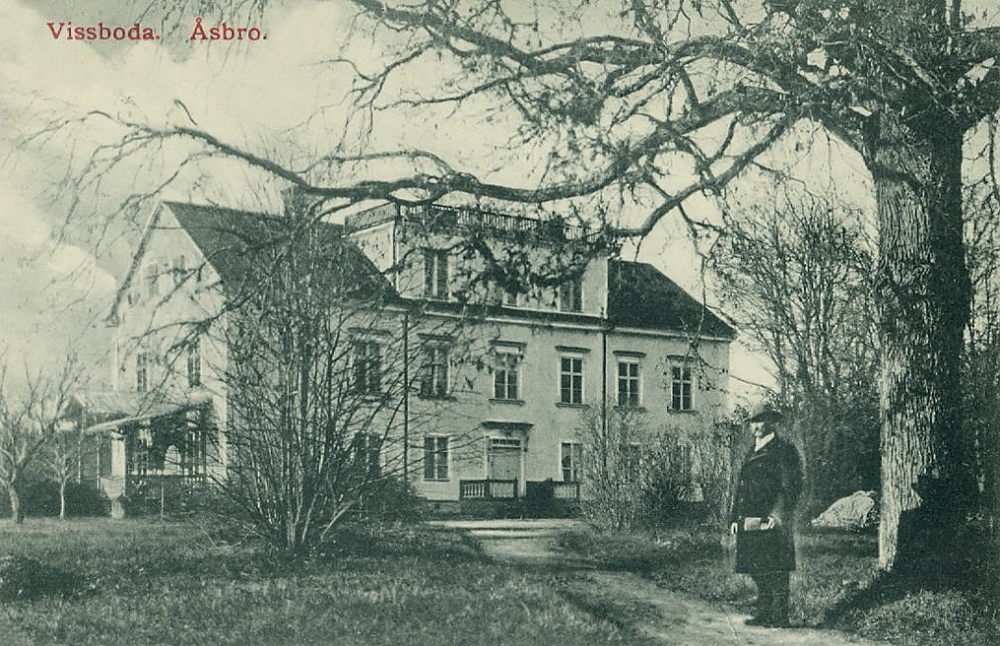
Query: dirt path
{"points": [[677, 619]]}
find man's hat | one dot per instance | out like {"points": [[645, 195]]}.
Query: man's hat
{"points": [[764, 411]]}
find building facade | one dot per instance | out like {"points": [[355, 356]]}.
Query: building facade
{"points": [[503, 339], [555, 354]]}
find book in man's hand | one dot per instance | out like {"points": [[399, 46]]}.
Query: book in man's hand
{"points": [[755, 524]]}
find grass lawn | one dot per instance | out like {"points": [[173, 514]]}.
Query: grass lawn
{"points": [[833, 567], [148, 582]]}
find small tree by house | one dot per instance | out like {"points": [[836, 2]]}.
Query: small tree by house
{"points": [[61, 458], [28, 422]]}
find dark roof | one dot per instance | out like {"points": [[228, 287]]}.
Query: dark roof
{"points": [[240, 245], [640, 296], [236, 243]]}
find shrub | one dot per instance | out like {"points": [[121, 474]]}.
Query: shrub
{"points": [[641, 477], [391, 500]]}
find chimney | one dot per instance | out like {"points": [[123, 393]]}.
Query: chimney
{"points": [[297, 201]]}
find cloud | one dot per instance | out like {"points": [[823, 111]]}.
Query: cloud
{"points": [[53, 296]]}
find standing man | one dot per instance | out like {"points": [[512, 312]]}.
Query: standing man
{"points": [[763, 516]]}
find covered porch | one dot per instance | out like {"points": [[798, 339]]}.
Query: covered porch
{"points": [[135, 442]]}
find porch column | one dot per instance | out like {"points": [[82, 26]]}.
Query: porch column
{"points": [[117, 473]]}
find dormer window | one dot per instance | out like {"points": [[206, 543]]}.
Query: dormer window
{"points": [[571, 295], [435, 273]]}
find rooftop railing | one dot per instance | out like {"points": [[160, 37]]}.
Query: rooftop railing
{"points": [[436, 217]]}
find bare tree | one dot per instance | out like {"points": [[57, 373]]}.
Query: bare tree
{"points": [[795, 275], [27, 424], [630, 95], [982, 365], [62, 458], [306, 394], [610, 451]]}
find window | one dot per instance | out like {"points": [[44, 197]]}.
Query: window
{"points": [[365, 453], [571, 380], [180, 269], [194, 363], [141, 372], [571, 295], [505, 376], [571, 459], [434, 381], [367, 367], [435, 458], [152, 274], [511, 299], [680, 387], [628, 383], [436, 273]]}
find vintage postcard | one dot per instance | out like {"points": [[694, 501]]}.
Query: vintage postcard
{"points": [[508, 322]]}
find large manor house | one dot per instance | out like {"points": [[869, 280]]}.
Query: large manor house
{"points": [[488, 388]]}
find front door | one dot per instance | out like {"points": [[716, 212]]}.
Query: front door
{"points": [[504, 459]]}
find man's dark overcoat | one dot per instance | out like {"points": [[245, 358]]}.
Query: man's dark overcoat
{"points": [[769, 485]]}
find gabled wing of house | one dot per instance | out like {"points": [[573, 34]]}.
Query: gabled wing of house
{"points": [[240, 246]]}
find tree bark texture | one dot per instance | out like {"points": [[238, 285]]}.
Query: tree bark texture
{"points": [[16, 513], [922, 293]]}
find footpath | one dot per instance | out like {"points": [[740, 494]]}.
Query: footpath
{"points": [[676, 619]]}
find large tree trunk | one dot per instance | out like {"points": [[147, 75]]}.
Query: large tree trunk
{"points": [[922, 292]]}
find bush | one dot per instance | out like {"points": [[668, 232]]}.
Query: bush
{"points": [[641, 476], [392, 500]]}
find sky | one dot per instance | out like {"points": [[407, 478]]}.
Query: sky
{"points": [[271, 96]]}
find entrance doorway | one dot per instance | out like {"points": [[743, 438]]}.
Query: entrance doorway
{"points": [[503, 459]]}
